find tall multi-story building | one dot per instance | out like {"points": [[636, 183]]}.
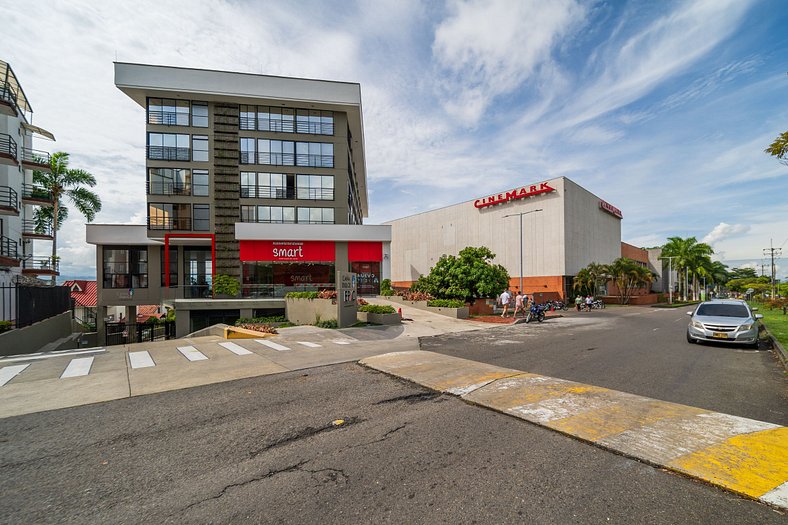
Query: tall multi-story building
{"points": [[254, 177], [19, 197]]}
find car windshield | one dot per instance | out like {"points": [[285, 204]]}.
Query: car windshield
{"points": [[723, 310]]}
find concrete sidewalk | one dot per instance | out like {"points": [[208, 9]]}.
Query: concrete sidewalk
{"points": [[741, 455]]}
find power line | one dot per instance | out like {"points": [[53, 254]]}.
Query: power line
{"points": [[771, 252]]}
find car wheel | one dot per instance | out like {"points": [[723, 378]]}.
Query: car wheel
{"points": [[690, 339]]}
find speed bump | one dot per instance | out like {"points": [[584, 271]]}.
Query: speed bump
{"points": [[742, 455]]}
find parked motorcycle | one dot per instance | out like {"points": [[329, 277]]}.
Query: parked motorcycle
{"points": [[536, 312]]}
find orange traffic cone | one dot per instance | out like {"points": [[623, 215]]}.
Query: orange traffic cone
{"points": [[400, 313]]}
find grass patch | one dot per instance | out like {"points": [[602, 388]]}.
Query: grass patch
{"points": [[775, 321], [674, 305]]}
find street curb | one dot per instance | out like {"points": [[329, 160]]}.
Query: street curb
{"points": [[782, 354], [740, 455]]}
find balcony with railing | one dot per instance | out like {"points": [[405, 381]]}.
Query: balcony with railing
{"points": [[287, 159], [169, 153], [8, 150], [35, 159], [168, 188], [9, 252], [279, 192], [168, 118], [41, 265], [37, 195], [33, 230], [169, 224], [9, 201], [8, 99]]}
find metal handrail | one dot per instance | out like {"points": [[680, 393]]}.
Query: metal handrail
{"points": [[9, 198], [35, 156], [168, 188], [287, 126], [287, 159], [35, 192], [251, 191], [30, 227], [8, 145], [167, 118], [41, 263], [169, 153], [8, 93], [9, 247], [163, 223]]}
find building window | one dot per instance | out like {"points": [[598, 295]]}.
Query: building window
{"points": [[315, 122], [315, 154], [201, 218], [125, 267], [247, 117], [168, 112], [168, 146], [168, 181], [276, 152], [200, 148], [268, 214], [316, 215], [248, 155], [200, 114], [167, 216], [315, 187], [200, 183], [173, 267]]}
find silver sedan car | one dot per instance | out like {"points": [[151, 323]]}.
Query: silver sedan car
{"points": [[726, 321]]}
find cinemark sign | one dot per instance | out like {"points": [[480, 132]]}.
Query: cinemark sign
{"points": [[520, 193], [612, 210]]}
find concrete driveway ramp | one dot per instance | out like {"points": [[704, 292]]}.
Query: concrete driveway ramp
{"points": [[446, 374], [739, 454]]}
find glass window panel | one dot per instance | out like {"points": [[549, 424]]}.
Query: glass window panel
{"points": [[275, 116], [202, 217], [264, 213], [200, 148], [288, 116], [200, 183], [263, 121], [328, 215], [288, 214], [315, 215], [200, 114], [302, 121]]}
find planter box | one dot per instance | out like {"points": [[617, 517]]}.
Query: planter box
{"points": [[307, 311], [236, 332], [368, 317], [457, 313]]}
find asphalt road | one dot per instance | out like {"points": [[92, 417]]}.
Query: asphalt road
{"points": [[264, 450], [638, 350]]}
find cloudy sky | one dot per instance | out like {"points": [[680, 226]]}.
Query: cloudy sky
{"points": [[661, 108]]}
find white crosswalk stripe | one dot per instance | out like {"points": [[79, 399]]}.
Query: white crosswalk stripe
{"points": [[273, 345], [340, 342], [7, 373], [192, 354], [308, 344], [236, 349], [141, 359], [78, 367]]}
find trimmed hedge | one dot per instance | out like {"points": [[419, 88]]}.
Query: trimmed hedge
{"points": [[262, 320], [446, 303], [301, 295], [377, 309]]}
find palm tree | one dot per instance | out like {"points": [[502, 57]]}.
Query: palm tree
{"points": [[629, 276], [779, 148], [64, 182], [690, 256]]}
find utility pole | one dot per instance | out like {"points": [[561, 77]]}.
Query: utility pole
{"points": [[771, 251], [670, 275], [521, 241]]}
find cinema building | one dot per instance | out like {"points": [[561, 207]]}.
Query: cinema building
{"points": [[255, 177], [563, 227]]}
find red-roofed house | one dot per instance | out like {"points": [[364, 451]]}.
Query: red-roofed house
{"points": [[83, 300]]}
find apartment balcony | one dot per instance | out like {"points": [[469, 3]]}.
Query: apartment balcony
{"points": [[168, 118], [9, 254], [8, 150], [36, 195], [169, 153], [8, 100], [168, 188], [287, 159], [35, 159], [278, 192], [169, 224], [30, 230], [40, 265], [9, 201]]}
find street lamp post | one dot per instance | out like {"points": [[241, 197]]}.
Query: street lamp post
{"points": [[521, 240], [670, 275]]}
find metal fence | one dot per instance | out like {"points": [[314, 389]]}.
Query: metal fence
{"points": [[118, 333], [25, 305]]}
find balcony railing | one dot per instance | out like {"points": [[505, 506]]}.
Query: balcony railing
{"points": [[30, 228], [169, 153], [278, 192], [8, 248], [168, 118], [287, 159], [162, 223], [32, 192], [34, 156], [9, 199], [8, 146], [286, 126], [41, 264], [8, 94], [168, 188]]}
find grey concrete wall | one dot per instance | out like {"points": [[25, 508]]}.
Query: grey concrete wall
{"points": [[387, 319], [306, 311], [31, 338]]}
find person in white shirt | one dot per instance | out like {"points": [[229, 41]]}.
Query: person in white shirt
{"points": [[505, 300]]}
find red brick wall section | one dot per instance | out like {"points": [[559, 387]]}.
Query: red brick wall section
{"points": [[546, 287], [634, 253]]}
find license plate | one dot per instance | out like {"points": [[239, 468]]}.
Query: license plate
{"points": [[719, 335]]}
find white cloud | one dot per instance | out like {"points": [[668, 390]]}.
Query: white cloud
{"points": [[724, 231]]}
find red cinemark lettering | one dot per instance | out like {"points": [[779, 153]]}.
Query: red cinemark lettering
{"points": [[519, 193]]}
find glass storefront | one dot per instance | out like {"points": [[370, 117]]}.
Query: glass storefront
{"points": [[368, 277], [275, 279], [197, 272]]}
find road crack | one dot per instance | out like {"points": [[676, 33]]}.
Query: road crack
{"points": [[303, 434]]}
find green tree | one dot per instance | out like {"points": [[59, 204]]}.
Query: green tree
{"points": [[743, 273], [583, 283], [690, 256], [629, 276], [69, 183], [469, 275], [779, 148]]}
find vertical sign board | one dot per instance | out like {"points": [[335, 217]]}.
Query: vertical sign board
{"points": [[346, 299]]}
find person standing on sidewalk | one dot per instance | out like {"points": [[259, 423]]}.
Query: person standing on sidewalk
{"points": [[518, 303], [579, 302], [505, 300]]}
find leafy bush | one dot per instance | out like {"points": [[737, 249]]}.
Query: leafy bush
{"points": [[327, 294], [301, 295], [327, 323], [262, 328], [469, 275], [170, 317], [152, 320], [261, 320], [5, 326], [414, 295], [385, 288], [446, 303], [377, 309], [361, 302], [226, 285]]}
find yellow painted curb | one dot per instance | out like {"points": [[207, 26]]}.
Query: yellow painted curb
{"points": [[235, 332]]}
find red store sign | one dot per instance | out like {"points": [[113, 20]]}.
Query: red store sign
{"points": [[519, 193], [288, 251], [612, 210]]}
